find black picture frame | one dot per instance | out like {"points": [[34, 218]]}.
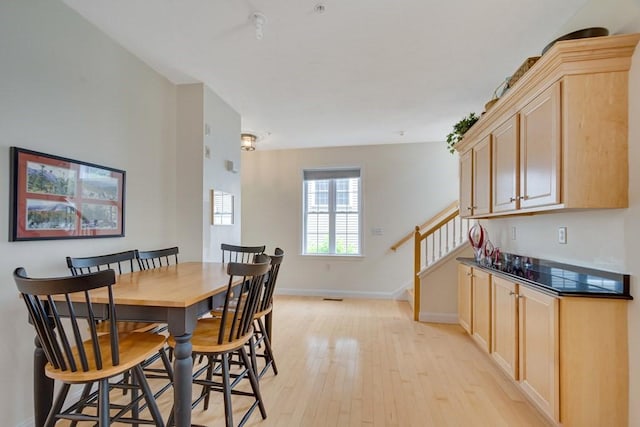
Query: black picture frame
{"points": [[53, 197]]}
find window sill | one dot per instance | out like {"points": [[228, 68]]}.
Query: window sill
{"points": [[334, 256]]}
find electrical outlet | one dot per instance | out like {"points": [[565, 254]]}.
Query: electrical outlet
{"points": [[562, 235]]}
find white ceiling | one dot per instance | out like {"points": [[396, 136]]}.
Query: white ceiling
{"points": [[362, 72]]}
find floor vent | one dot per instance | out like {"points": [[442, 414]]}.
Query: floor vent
{"points": [[332, 299]]}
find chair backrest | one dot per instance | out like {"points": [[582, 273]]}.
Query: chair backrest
{"points": [[59, 338], [240, 254], [156, 258], [270, 284], [121, 262], [239, 307]]}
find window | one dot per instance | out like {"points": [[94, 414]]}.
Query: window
{"points": [[332, 214], [222, 212]]}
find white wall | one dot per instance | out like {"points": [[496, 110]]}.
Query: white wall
{"points": [[603, 239], [208, 134], [67, 89], [189, 169], [223, 142], [403, 185]]}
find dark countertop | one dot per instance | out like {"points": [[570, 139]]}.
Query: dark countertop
{"points": [[557, 278]]}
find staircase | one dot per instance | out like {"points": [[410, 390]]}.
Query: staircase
{"points": [[435, 241]]}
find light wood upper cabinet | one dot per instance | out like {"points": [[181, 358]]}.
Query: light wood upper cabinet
{"points": [[475, 179], [558, 138], [482, 177], [464, 296], [466, 183], [481, 309], [540, 150], [505, 173]]}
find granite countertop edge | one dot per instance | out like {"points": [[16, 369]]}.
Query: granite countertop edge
{"points": [[540, 287]]}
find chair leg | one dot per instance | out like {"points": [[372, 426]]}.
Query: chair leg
{"points": [[269, 354], [254, 382], [148, 396], [57, 405], [206, 390], [226, 388], [252, 354], [103, 403], [86, 391]]}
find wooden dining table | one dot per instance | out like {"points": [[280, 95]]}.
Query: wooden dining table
{"points": [[176, 295]]}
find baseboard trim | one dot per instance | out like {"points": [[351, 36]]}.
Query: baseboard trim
{"points": [[450, 318], [27, 423], [330, 293]]}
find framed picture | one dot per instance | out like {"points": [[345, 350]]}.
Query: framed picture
{"points": [[54, 197]]}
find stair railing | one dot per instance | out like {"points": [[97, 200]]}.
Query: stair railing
{"points": [[433, 240]]}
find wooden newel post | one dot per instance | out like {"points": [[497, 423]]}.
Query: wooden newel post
{"points": [[416, 277]]}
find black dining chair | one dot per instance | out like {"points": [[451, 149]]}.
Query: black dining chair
{"points": [[261, 339], [241, 254], [156, 258], [217, 338], [96, 359], [123, 262]]}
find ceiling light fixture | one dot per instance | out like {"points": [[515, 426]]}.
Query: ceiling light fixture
{"points": [[248, 141], [258, 21]]}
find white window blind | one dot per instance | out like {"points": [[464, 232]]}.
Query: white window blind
{"points": [[332, 212]]}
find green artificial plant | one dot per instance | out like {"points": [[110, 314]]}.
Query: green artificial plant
{"points": [[459, 129]]}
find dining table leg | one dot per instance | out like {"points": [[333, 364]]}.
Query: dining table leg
{"points": [[182, 369], [42, 386]]}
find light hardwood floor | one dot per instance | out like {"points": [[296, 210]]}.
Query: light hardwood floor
{"points": [[366, 363]]}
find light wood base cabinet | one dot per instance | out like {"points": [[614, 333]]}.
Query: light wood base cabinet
{"points": [[538, 349], [504, 325], [464, 296], [569, 355], [481, 309], [524, 326]]}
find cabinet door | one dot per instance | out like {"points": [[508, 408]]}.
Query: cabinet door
{"points": [[481, 311], [538, 349], [466, 188], [540, 150], [482, 177], [505, 174], [504, 325], [464, 297]]}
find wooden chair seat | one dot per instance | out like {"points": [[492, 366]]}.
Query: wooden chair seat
{"points": [[204, 338], [134, 349]]}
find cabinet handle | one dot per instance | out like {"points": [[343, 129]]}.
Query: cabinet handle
{"points": [[512, 199], [474, 207], [470, 274], [468, 208], [511, 293]]}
